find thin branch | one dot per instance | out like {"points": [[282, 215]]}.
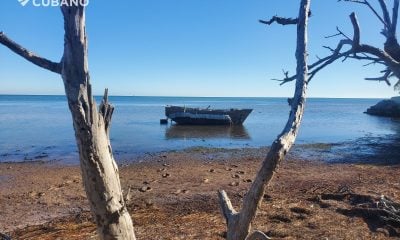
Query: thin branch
{"points": [[365, 2], [30, 56], [384, 78], [385, 13], [280, 20], [395, 15], [226, 205], [356, 28]]}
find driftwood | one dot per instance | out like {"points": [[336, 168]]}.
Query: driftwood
{"points": [[378, 211], [92, 125], [239, 223]]}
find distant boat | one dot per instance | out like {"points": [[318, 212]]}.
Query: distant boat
{"points": [[206, 116]]}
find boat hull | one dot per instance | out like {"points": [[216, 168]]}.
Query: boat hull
{"points": [[197, 116]]}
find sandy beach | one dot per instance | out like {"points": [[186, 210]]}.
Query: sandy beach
{"points": [[173, 195]]}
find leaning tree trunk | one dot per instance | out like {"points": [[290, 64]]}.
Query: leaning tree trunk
{"points": [[239, 223], [99, 170]]}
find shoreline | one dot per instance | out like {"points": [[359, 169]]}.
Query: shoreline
{"points": [[175, 193]]}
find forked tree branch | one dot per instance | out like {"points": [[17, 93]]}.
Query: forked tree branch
{"points": [[379, 56], [239, 223], [30, 56]]}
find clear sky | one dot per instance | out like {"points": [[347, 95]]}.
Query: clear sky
{"points": [[188, 48]]}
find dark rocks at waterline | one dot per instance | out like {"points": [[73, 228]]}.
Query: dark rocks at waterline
{"points": [[386, 108]]}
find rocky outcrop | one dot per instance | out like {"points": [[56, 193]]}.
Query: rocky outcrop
{"points": [[386, 108]]}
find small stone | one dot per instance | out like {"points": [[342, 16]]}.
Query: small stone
{"points": [[212, 170], [161, 170], [240, 172], [228, 169], [145, 189], [165, 175], [206, 180], [235, 176], [234, 184], [149, 203], [247, 180], [166, 165]]}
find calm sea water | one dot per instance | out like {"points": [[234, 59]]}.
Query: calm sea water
{"points": [[40, 127]]}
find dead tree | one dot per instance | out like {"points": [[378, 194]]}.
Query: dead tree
{"points": [[239, 223], [352, 48], [99, 169]]}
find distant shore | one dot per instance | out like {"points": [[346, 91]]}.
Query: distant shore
{"points": [[173, 193]]}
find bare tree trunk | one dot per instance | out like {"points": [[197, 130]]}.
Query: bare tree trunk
{"points": [[99, 169], [239, 223]]}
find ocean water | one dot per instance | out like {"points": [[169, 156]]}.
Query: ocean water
{"points": [[40, 127]]}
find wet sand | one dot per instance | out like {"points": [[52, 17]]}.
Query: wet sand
{"points": [[173, 195]]}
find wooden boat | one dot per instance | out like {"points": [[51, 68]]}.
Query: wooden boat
{"points": [[206, 116]]}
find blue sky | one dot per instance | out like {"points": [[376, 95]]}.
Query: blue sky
{"points": [[188, 48]]}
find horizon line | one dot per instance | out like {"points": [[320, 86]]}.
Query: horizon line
{"points": [[1, 94]]}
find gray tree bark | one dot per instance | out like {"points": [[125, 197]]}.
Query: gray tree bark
{"points": [[239, 223], [99, 169]]}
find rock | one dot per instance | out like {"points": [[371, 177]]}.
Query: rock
{"points": [[235, 176], [206, 180], [234, 184], [240, 172], [165, 175], [386, 108], [228, 169], [181, 191], [145, 189], [212, 170], [247, 180]]}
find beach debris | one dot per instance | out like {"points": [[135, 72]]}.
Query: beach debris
{"points": [[165, 175], [4, 237], [234, 184], [145, 189], [149, 202], [181, 191], [235, 176]]}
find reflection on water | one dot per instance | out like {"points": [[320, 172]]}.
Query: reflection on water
{"points": [[206, 132]]}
